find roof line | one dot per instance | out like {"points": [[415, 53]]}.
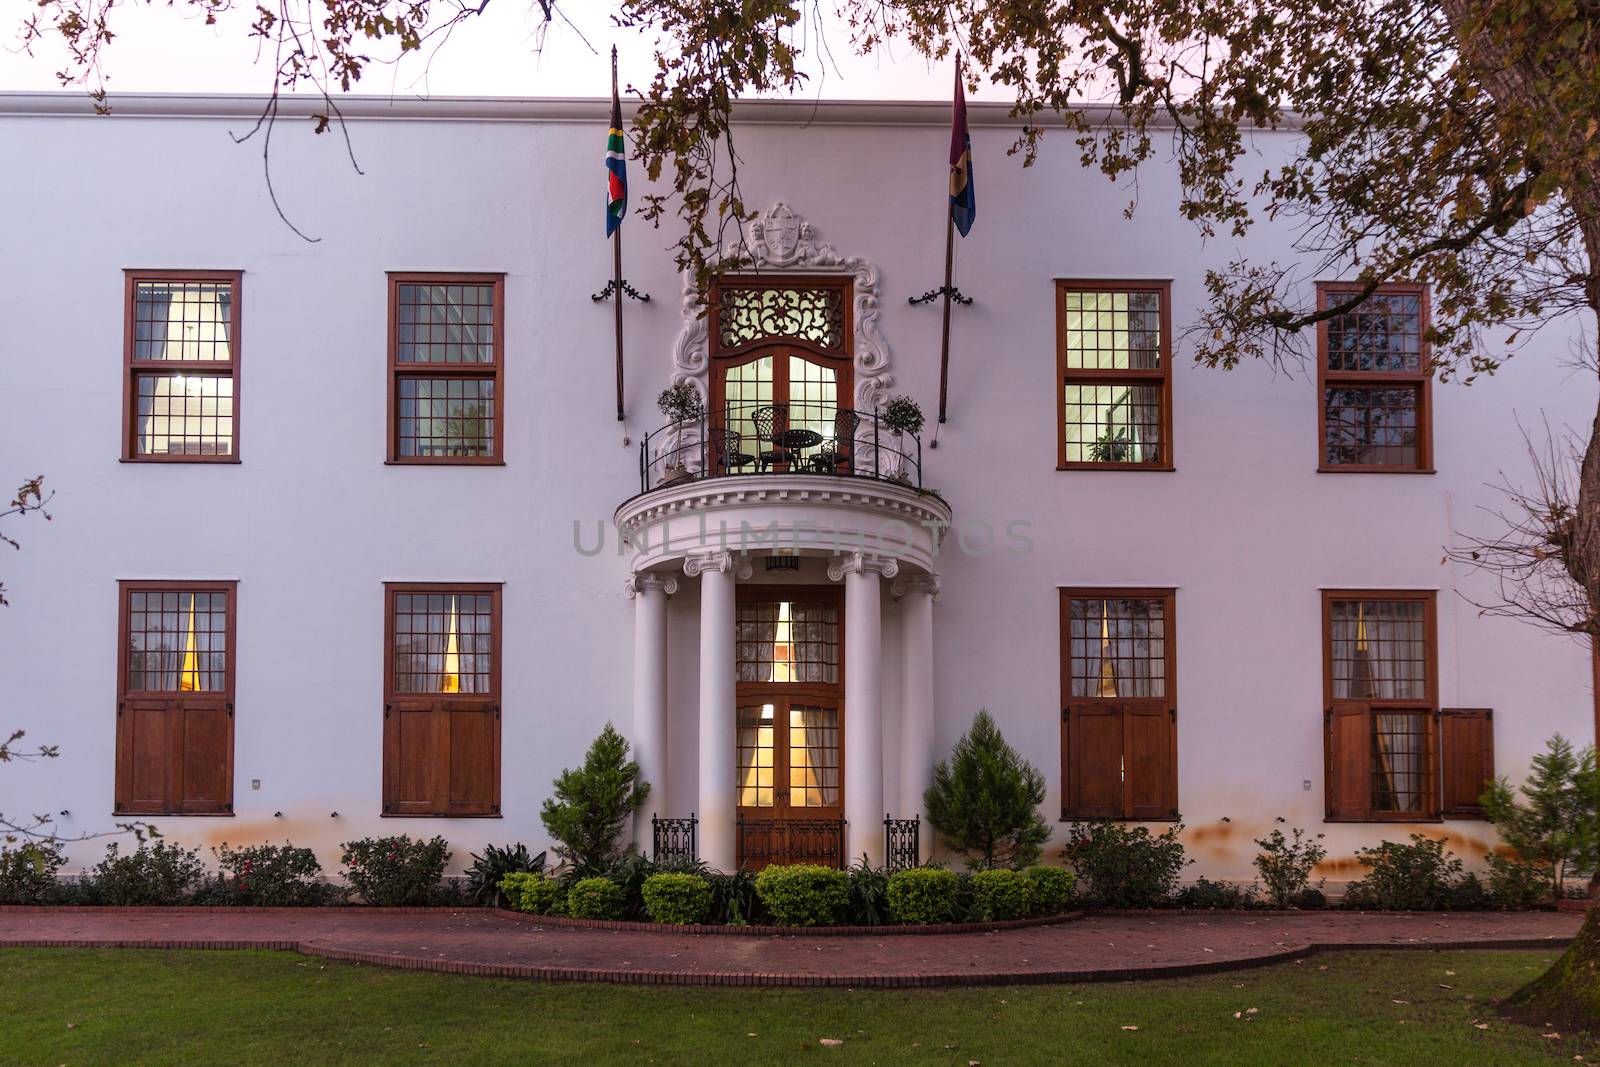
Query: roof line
{"points": [[587, 110]]}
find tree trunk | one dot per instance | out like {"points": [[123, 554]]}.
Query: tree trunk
{"points": [[1519, 79]]}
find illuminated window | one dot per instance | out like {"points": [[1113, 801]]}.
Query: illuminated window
{"points": [[1113, 356], [182, 366], [446, 363]]}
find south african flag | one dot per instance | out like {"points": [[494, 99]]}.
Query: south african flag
{"points": [[616, 168]]}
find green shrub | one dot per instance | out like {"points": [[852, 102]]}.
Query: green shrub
{"points": [[153, 873], [394, 872], [1468, 894], [28, 873], [999, 895], [1414, 877], [922, 895], [271, 876], [804, 894], [532, 892], [1203, 893], [985, 800], [1311, 899], [869, 895], [1553, 824], [483, 877], [1125, 867], [1285, 863], [1515, 885], [1049, 889], [595, 898], [592, 805], [677, 898]]}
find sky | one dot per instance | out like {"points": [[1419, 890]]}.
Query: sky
{"points": [[164, 49]]}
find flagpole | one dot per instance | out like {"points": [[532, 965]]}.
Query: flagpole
{"points": [[944, 339], [616, 260]]}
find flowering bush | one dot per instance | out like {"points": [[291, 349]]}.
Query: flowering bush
{"points": [[153, 873], [272, 876], [392, 872]]}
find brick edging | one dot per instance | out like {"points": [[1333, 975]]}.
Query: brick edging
{"points": [[223, 909], [786, 931], [622, 976]]}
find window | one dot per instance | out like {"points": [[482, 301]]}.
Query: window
{"points": [[1372, 370], [1119, 716], [175, 699], [181, 337], [1113, 362], [441, 711], [781, 360], [446, 368]]}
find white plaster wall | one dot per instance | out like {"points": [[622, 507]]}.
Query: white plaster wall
{"points": [[312, 522]]}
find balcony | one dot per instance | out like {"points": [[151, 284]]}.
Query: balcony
{"points": [[802, 479]]}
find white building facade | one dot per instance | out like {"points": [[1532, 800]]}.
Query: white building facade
{"points": [[348, 539]]}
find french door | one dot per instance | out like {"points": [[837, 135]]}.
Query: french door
{"points": [[790, 732]]}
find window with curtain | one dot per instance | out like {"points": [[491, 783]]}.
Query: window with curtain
{"points": [[1113, 360], [788, 641], [446, 364], [1119, 708], [1374, 375], [1380, 668], [175, 713], [182, 364], [441, 711]]}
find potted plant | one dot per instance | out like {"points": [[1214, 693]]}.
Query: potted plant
{"points": [[1112, 447], [680, 403], [901, 416]]}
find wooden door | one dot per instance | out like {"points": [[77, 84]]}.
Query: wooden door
{"points": [[791, 792]]}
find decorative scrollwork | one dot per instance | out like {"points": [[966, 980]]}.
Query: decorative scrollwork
{"points": [[750, 314]]}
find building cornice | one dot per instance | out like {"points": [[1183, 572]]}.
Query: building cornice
{"points": [[543, 110]]}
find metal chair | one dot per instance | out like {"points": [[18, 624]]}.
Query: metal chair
{"points": [[771, 422], [727, 449], [837, 450]]}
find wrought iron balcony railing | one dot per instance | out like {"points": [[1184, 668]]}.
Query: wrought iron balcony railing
{"points": [[795, 438]]}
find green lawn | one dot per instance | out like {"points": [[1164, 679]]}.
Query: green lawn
{"points": [[98, 1006]]}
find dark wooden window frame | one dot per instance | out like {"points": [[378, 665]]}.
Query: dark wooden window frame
{"points": [[1421, 380], [466, 371], [174, 789], [1428, 705], [1167, 704], [1161, 376], [489, 701], [132, 368], [842, 361]]}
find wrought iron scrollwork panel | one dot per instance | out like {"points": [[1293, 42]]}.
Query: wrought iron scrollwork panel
{"points": [[816, 315], [674, 840]]}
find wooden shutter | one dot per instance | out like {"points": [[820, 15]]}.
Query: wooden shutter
{"points": [[1348, 756], [204, 780], [1150, 763], [1466, 760], [472, 736], [1094, 761], [146, 741], [413, 758]]}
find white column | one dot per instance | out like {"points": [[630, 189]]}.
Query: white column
{"points": [[917, 753], [649, 593], [863, 576], [718, 710]]}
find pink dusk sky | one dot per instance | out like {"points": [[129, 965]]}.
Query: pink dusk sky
{"points": [[161, 49]]}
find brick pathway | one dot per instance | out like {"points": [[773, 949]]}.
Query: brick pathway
{"points": [[1098, 948]]}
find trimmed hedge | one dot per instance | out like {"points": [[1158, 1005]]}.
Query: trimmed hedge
{"points": [[595, 898], [676, 898], [1049, 889], [533, 893], [999, 895], [923, 895], [803, 894]]}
